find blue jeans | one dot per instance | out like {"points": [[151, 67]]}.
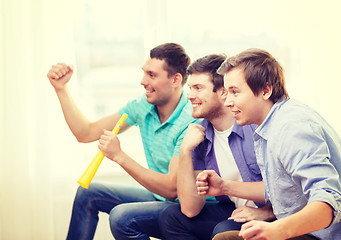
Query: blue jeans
{"points": [[134, 212], [210, 221]]}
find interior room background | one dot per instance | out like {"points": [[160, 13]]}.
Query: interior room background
{"points": [[108, 41]]}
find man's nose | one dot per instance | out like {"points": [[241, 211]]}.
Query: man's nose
{"points": [[144, 81], [190, 95], [228, 101]]}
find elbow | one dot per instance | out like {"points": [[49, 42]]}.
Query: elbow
{"points": [[172, 195], [81, 139], [188, 212], [189, 208], [86, 134]]}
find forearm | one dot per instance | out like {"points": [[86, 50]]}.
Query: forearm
{"points": [[191, 203], [77, 122], [313, 217], [158, 183], [80, 126], [247, 190]]}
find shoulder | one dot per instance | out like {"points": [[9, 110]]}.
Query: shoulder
{"points": [[137, 109], [140, 101], [289, 115], [139, 105], [294, 116], [185, 114], [296, 127]]}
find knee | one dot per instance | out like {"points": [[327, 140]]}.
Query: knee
{"points": [[83, 196], [219, 236], [226, 226], [117, 215], [119, 219], [230, 235]]}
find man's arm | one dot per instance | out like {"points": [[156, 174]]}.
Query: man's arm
{"points": [[191, 203], [159, 183], [247, 214], [84, 130], [313, 217], [209, 183]]}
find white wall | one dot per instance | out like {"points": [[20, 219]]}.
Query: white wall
{"points": [[38, 154]]}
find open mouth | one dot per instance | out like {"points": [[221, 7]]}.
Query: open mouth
{"points": [[149, 91], [235, 113], [195, 105]]}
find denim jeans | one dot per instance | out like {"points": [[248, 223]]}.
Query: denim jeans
{"points": [[210, 221], [134, 212]]}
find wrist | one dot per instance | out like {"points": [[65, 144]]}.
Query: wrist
{"points": [[185, 151], [282, 228], [61, 91], [119, 158], [227, 186]]}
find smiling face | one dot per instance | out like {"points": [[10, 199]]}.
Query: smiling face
{"points": [[156, 82], [206, 103], [246, 107]]}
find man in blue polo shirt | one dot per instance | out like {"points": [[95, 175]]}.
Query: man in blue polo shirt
{"points": [[162, 115], [216, 145]]}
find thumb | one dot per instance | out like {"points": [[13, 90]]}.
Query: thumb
{"points": [[209, 172], [71, 67]]}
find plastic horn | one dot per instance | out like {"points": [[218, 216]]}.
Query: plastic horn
{"points": [[89, 173]]}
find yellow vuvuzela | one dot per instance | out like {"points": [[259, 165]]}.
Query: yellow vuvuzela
{"points": [[89, 173]]}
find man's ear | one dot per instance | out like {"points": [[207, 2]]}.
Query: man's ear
{"points": [[177, 79], [222, 92], [267, 92]]}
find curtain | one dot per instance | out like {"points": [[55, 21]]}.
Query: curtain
{"points": [[34, 35]]}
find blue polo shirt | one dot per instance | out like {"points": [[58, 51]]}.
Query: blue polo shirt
{"points": [[242, 148], [161, 141]]}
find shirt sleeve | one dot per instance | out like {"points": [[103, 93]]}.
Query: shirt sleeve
{"points": [[198, 158], [176, 151], [306, 156]]}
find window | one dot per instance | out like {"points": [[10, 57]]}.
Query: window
{"points": [[110, 52], [113, 39]]}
